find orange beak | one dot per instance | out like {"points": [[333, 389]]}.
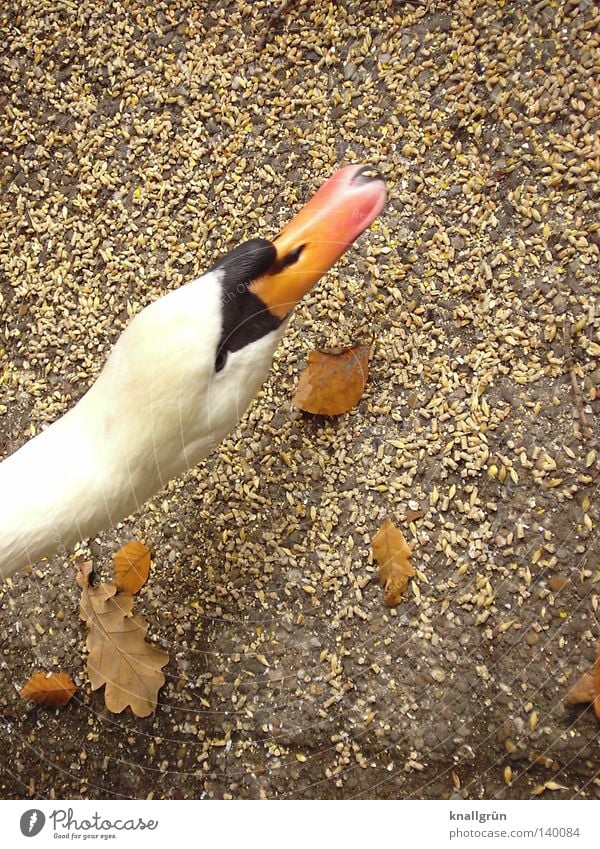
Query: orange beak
{"points": [[309, 245]]}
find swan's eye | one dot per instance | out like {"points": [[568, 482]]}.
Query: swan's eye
{"points": [[220, 359], [292, 257]]}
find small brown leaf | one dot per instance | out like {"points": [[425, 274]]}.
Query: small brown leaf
{"points": [[583, 691], [132, 567], [392, 552], [54, 689], [332, 383], [597, 682], [587, 689]]}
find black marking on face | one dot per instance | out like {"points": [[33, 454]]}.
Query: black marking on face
{"points": [[289, 259], [245, 318]]}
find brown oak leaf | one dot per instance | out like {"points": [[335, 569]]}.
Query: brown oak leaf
{"points": [[333, 382], [132, 567], [54, 689], [393, 553], [119, 656]]}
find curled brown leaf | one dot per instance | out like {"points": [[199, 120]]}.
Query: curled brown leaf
{"points": [[583, 691], [333, 382], [132, 567], [53, 689], [392, 553], [587, 689]]}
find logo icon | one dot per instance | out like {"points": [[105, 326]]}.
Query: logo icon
{"points": [[32, 822]]}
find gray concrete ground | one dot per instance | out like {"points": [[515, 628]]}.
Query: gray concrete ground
{"points": [[142, 139]]}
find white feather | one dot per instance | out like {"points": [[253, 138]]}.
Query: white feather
{"points": [[156, 409]]}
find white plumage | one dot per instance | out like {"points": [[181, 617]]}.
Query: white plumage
{"points": [[156, 409]]}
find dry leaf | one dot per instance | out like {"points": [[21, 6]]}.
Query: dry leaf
{"points": [[583, 691], [119, 655], [392, 552], [587, 689], [597, 682], [49, 688], [132, 567], [332, 383]]}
